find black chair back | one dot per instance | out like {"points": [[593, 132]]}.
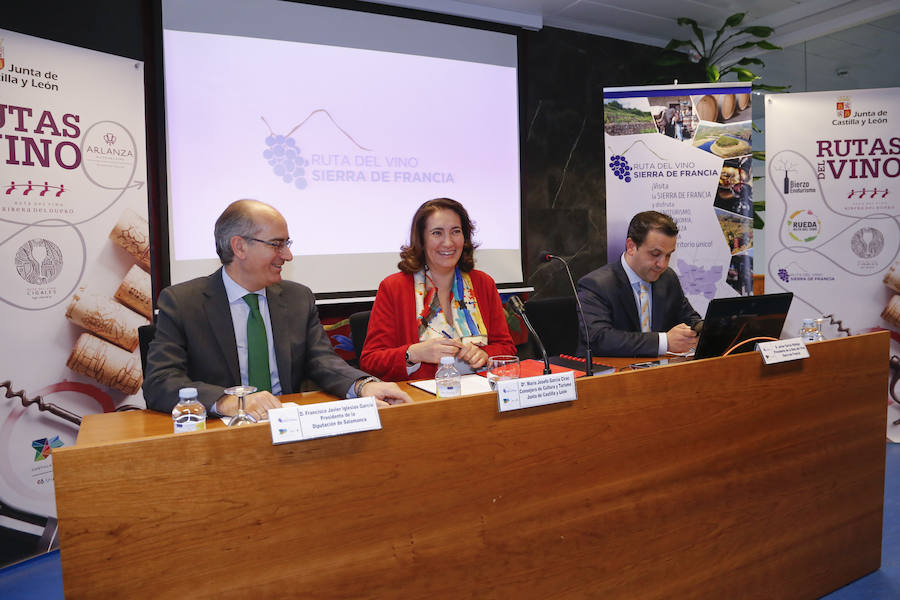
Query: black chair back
{"points": [[146, 333], [359, 326], [556, 321]]}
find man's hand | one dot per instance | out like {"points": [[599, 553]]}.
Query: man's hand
{"points": [[473, 355], [431, 351], [681, 338], [386, 393], [256, 405]]}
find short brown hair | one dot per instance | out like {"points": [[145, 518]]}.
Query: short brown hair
{"points": [[650, 220], [412, 256]]}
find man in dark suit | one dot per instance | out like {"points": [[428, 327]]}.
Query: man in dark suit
{"points": [[634, 306], [202, 334]]}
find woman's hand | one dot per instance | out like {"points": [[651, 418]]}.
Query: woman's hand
{"points": [[431, 351], [473, 355]]}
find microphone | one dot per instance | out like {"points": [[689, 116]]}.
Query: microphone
{"points": [[520, 310], [589, 359]]}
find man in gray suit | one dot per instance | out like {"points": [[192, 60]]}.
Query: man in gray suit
{"points": [[613, 296], [202, 333]]}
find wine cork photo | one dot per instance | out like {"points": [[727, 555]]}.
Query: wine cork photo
{"points": [[106, 318], [132, 232], [891, 312], [892, 277], [135, 291], [107, 363]]}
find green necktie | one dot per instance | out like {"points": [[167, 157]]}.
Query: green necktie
{"points": [[257, 347]]}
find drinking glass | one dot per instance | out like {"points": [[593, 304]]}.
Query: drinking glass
{"points": [[501, 368], [241, 418]]}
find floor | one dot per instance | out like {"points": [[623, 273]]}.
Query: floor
{"points": [[41, 577]]}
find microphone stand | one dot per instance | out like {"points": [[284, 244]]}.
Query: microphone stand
{"points": [[589, 359], [520, 310]]}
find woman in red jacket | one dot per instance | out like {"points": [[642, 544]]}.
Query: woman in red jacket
{"points": [[438, 305]]}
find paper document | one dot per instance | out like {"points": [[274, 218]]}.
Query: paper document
{"points": [[471, 384]]}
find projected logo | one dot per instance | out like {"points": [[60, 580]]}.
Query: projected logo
{"points": [[285, 156], [286, 160], [44, 446]]}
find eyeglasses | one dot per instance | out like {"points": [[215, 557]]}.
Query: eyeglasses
{"points": [[279, 245]]}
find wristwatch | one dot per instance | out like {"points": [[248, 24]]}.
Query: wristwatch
{"points": [[361, 383], [409, 363]]}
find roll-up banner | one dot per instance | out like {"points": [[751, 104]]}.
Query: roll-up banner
{"points": [[685, 150], [832, 208], [74, 259]]}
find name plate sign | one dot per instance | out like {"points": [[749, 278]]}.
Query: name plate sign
{"points": [[306, 422], [516, 394], [783, 351]]}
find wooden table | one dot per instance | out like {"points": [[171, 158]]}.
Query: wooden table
{"points": [[718, 478], [134, 424]]}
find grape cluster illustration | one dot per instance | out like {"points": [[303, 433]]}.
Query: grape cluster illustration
{"points": [[620, 167], [783, 275], [284, 157]]}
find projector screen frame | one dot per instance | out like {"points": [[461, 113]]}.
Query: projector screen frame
{"points": [[158, 159]]}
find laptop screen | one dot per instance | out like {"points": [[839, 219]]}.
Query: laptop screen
{"points": [[732, 320]]}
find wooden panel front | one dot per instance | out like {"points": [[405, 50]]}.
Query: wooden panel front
{"points": [[720, 478]]}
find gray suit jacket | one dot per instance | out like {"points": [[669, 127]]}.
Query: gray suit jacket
{"points": [[612, 314], [195, 346]]}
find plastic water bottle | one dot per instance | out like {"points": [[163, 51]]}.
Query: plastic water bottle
{"points": [[809, 332], [447, 379], [188, 414]]}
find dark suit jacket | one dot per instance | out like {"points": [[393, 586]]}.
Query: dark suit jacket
{"points": [[195, 346], [612, 314]]}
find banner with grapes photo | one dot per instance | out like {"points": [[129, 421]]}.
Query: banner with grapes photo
{"points": [[832, 210], [74, 255], [685, 150]]}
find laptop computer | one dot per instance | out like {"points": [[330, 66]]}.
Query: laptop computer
{"points": [[730, 321]]}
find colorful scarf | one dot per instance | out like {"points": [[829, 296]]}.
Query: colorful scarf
{"points": [[465, 320]]}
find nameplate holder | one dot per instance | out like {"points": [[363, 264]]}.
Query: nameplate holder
{"points": [[781, 351], [325, 419], [516, 394]]}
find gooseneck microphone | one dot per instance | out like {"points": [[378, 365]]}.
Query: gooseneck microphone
{"points": [[520, 310], [589, 359]]}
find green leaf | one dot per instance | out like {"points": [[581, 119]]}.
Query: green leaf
{"points": [[758, 31], [744, 74], [677, 44], [758, 223], [759, 205], [712, 73], [744, 45], [759, 155], [734, 20], [686, 21], [767, 45], [751, 61], [699, 33], [771, 88]]}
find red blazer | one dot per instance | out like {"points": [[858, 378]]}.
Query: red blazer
{"points": [[393, 327]]}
